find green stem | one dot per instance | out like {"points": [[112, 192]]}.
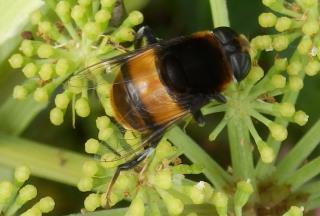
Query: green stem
{"points": [[314, 204], [312, 189], [298, 154], [44, 161], [212, 170], [219, 13]]}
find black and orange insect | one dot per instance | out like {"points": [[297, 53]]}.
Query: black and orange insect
{"points": [[167, 79]]}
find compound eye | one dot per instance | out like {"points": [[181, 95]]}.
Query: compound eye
{"points": [[240, 63], [225, 34]]}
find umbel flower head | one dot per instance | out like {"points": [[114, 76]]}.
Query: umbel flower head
{"points": [[14, 195]]}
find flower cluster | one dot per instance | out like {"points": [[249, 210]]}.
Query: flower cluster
{"points": [[13, 195], [53, 51]]}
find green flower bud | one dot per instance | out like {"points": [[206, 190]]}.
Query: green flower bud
{"points": [[196, 194], [63, 10], [82, 107], [281, 64], [268, 3], [286, 109], [20, 92], [76, 84], [27, 48], [294, 68], [16, 61], [305, 45], [22, 174], [134, 18], [266, 152], [45, 27], [107, 3], [84, 3], [107, 160], [163, 179], [220, 201], [294, 211], [280, 43], [283, 24], [104, 89], [301, 118], [92, 146], [36, 17], [278, 81], [132, 138], [34, 211], [295, 83], [243, 193], [124, 34], [127, 181], [26, 193], [46, 72], [45, 51], [56, 116], [78, 13], [90, 168], [262, 42], [278, 132], [163, 150], [46, 204], [62, 67], [41, 95], [102, 16], [85, 184], [310, 28], [102, 122], [312, 68], [30, 70], [92, 30], [92, 202], [105, 134], [256, 73], [114, 198], [136, 208], [174, 205], [6, 190], [62, 100], [308, 3], [267, 20]]}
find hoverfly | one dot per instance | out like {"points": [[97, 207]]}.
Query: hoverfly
{"points": [[167, 79]]}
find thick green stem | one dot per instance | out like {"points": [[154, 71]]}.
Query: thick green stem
{"points": [[219, 13], [219, 178], [298, 154], [44, 161]]}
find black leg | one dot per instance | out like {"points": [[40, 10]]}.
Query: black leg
{"points": [[144, 32], [197, 115], [219, 97], [129, 165]]}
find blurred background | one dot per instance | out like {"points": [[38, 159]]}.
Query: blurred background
{"points": [[167, 18]]}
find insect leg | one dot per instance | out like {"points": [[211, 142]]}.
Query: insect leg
{"points": [[219, 97], [144, 32], [129, 165], [197, 115]]}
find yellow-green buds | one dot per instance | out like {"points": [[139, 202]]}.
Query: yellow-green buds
{"points": [[242, 195], [136, 207], [22, 174], [26, 193], [92, 202], [174, 205], [56, 116], [280, 43], [310, 28], [82, 107], [312, 68], [105, 134], [286, 109], [16, 60], [278, 132], [30, 70], [45, 51], [266, 152], [62, 67], [283, 24], [267, 20], [85, 184], [163, 179], [301, 118], [46, 72], [41, 95], [20, 92], [220, 201], [92, 146], [294, 68], [46, 204], [6, 189]]}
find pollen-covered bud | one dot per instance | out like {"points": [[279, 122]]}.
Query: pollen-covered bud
{"points": [[105, 134], [22, 174], [27, 48], [267, 20], [102, 122], [266, 152], [312, 68], [280, 43], [174, 205], [62, 67], [92, 146], [295, 83], [294, 68], [294, 211], [56, 116], [278, 81], [220, 201], [46, 72], [46, 204], [136, 208], [278, 132], [16, 61], [243, 193], [310, 28], [85, 184], [162, 179], [301, 118], [30, 70], [305, 45], [41, 95], [286, 109], [26, 193], [126, 181], [6, 190], [92, 202], [20, 92], [283, 24], [82, 107]]}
